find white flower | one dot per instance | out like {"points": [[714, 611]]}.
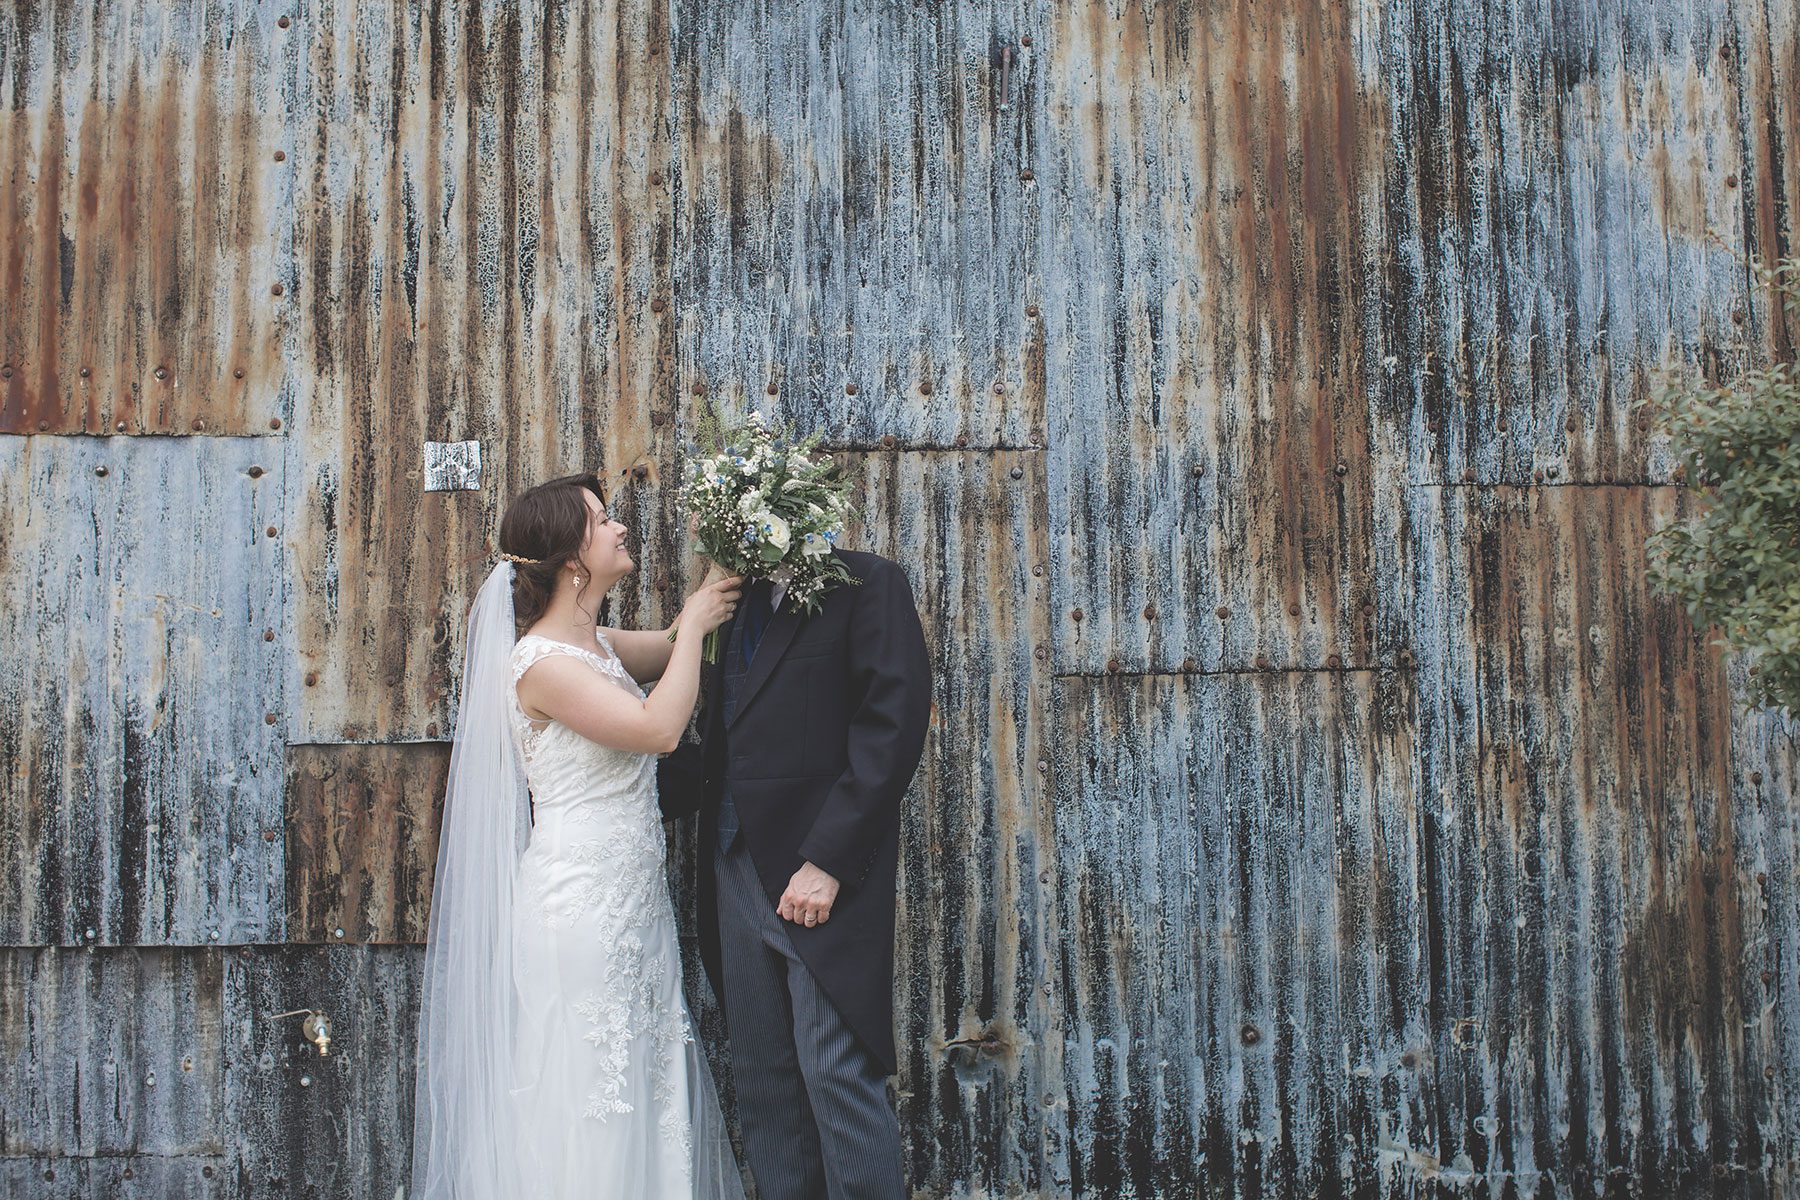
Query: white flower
{"points": [[773, 530], [815, 546]]}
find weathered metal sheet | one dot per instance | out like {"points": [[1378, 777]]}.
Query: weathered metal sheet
{"points": [[1549, 191], [123, 1177], [110, 1052], [362, 830], [477, 255], [853, 233], [140, 695], [1205, 237], [1242, 936], [1594, 960], [145, 215], [335, 1126]]}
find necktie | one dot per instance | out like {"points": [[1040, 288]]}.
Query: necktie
{"points": [[757, 610]]}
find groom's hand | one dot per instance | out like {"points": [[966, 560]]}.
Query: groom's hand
{"points": [[809, 897]]}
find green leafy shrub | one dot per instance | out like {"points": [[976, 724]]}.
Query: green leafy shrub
{"points": [[1735, 564]]}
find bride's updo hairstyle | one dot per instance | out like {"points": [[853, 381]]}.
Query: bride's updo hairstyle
{"points": [[544, 528]]}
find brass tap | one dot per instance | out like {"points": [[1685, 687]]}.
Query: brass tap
{"points": [[317, 1029]]}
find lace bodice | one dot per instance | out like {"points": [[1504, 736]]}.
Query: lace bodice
{"points": [[564, 768]]}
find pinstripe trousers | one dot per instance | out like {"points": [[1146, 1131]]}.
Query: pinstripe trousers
{"points": [[812, 1102]]}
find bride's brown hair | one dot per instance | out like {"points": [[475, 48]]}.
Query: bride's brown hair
{"points": [[544, 528]]}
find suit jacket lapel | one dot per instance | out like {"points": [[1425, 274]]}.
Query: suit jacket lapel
{"points": [[781, 629]]}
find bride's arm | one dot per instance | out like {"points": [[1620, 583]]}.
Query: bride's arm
{"points": [[645, 652]]}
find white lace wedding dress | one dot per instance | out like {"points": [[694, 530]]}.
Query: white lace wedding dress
{"points": [[614, 1096]]}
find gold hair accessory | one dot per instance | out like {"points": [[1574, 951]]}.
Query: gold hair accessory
{"points": [[520, 558]]}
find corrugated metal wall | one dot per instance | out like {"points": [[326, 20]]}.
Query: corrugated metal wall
{"points": [[1318, 801]]}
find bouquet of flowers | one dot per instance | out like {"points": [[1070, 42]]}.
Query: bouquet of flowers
{"points": [[766, 507]]}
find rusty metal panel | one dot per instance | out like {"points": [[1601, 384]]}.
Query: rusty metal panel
{"points": [[477, 252], [110, 1052], [1550, 238], [1205, 235], [854, 233], [980, 1073], [341, 1125], [1242, 936], [362, 830], [140, 696], [1596, 916], [118, 1177], [146, 217]]}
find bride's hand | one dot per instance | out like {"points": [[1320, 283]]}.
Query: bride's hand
{"points": [[711, 606]]}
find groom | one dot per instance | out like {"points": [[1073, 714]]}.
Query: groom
{"points": [[812, 730]]}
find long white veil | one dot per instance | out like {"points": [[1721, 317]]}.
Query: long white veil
{"points": [[464, 1141]]}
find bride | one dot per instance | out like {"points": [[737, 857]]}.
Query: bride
{"points": [[556, 1057]]}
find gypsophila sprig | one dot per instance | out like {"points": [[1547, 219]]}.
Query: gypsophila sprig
{"points": [[767, 507]]}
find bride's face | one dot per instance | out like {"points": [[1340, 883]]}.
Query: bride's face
{"points": [[604, 554]]}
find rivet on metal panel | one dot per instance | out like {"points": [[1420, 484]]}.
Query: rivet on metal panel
{"points": [[6, 371], [1502, 425], [86, 372], [1343, 469], [1112, 666], [1552, 471], [268, 718], [1768, 977], [1037, 438], [1026, 40], [659, 419], [1017, 472], [1731, 181], [1043, 765], [281, 156], [1756, 777], [1149, 612], [90, 935], [283, 22], [1026, 176], [774, 389], [1334, 661], [656, 179], [118, 426], [657, 305], [1042, 654], [1262, 662], [699, 389], [268, 835], [312, 679], [1076, 616], [268, 635], [100, 471], [276, 290], [962, 441], [1199, 470], [1188, 664], [271, 531], [1293, 610], [1031, 310], [254, 471], [1221, 612], [1538, 475], [1762, 877], [274, 422], [1468, 475], [999, 389], [187, 1062], [1038, 571], [337, 933], [849, 389], [924, 387], [199, 424], [889, 441], [1250, 1034], [1769, 1072], [1368, 609], [1737, 318]]}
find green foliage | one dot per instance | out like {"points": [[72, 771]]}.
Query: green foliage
{"points": [[1736, 563]]}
